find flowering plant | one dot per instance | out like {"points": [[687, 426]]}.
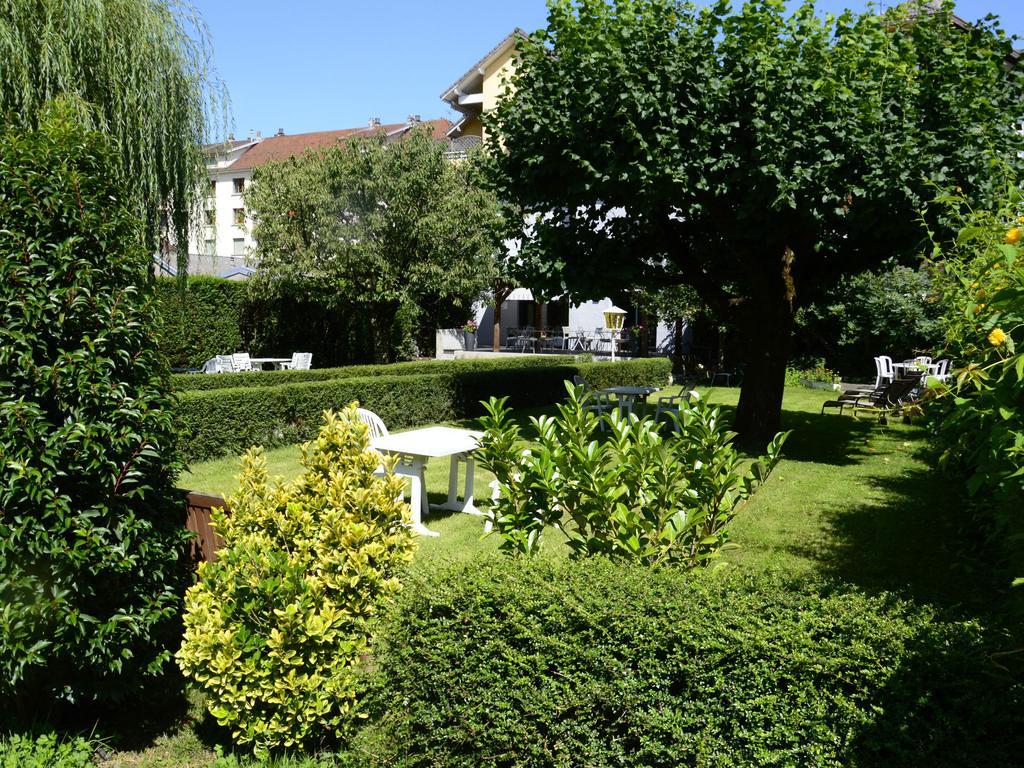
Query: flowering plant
{"points": [[979, 422], [470, 327]]}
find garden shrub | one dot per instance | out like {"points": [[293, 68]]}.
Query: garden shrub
{"points": [[638, 496], [46, 751], [539, 662], [223, 421], [92, 530], [981, 423], [276, 627], [978, 421]]}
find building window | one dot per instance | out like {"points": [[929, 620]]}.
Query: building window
{"points": [[238, 246], [213, 189], [239, 185], [210, 247], [211, 216], [240, 216]]}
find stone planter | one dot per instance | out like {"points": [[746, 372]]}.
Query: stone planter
{"points": [[468, 341]]}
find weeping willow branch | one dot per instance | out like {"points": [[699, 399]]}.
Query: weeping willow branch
{"points": [[144, 70]]}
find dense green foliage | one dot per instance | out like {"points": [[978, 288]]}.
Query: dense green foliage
{"points": [[538, 662], [276, 627], [225, 421], [389, 228], [143, 69], [46, 751], [203, 318], [638, 497], [91, 534], [752, 154], [980, 423], [890, 311], [209, 316]]}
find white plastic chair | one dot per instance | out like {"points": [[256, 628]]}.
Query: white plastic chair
{"points": [[923, 360], [941, 370], [373, 422], [241, 361], [301, 361], [224, 364], [883, 366], [671, 404]]}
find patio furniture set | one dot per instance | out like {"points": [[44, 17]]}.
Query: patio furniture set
{"points": [[564, 339], [416, 447], [896, 385], [241, 361]]}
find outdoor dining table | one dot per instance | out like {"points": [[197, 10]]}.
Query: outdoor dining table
{"points": [[626, 397], [415, 448], [277, 362]]}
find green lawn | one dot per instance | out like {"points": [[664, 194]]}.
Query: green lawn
{"points": [[852, 501]]}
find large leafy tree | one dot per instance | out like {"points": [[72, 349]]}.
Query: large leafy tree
{"points": [[752, 155], [142, 68], [391, 228]]}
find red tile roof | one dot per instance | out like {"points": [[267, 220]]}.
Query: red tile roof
{"points": [[275, 148]]}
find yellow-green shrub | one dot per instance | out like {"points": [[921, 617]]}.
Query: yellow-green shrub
{"points": [[276, 627]]}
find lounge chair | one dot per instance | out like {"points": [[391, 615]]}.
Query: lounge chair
{"points": [[885, 398]]}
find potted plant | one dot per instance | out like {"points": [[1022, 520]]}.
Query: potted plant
{"points": [[469, 336]]}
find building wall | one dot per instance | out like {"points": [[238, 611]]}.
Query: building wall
{"points": [[493, 82], [223, 232]]}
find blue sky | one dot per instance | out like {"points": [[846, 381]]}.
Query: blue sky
{"points": [[309, 65]]}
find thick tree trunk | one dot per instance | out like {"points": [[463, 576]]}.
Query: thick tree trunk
{"points": [[766, 329]]}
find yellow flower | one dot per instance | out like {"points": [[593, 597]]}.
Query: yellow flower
{"points": [[1013, 236], [997, 337], [1020, 219]]}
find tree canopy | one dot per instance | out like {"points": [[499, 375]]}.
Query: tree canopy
{"points": [[392, 228], [143, 69], [753, 155]]}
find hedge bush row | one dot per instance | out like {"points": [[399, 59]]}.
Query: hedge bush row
{"points": [[187, 382], [227, 421], [538, 663]]}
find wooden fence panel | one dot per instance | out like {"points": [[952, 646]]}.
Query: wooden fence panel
{"points": [[207, 542]]}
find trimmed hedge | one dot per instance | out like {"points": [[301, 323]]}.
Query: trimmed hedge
{"points": [[204, 320], [220, 422], [537, 662], [187, 382]]}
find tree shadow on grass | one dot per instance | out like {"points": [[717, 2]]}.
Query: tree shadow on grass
{"points": [[909, 533]]}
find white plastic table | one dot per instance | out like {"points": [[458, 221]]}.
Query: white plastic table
{"points": [[275, 361], [417, 446], [626, 397]]}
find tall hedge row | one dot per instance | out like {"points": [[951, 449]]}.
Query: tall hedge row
{"points": [[210, 316], [218, 422], [553, 663], [203, 319]]}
